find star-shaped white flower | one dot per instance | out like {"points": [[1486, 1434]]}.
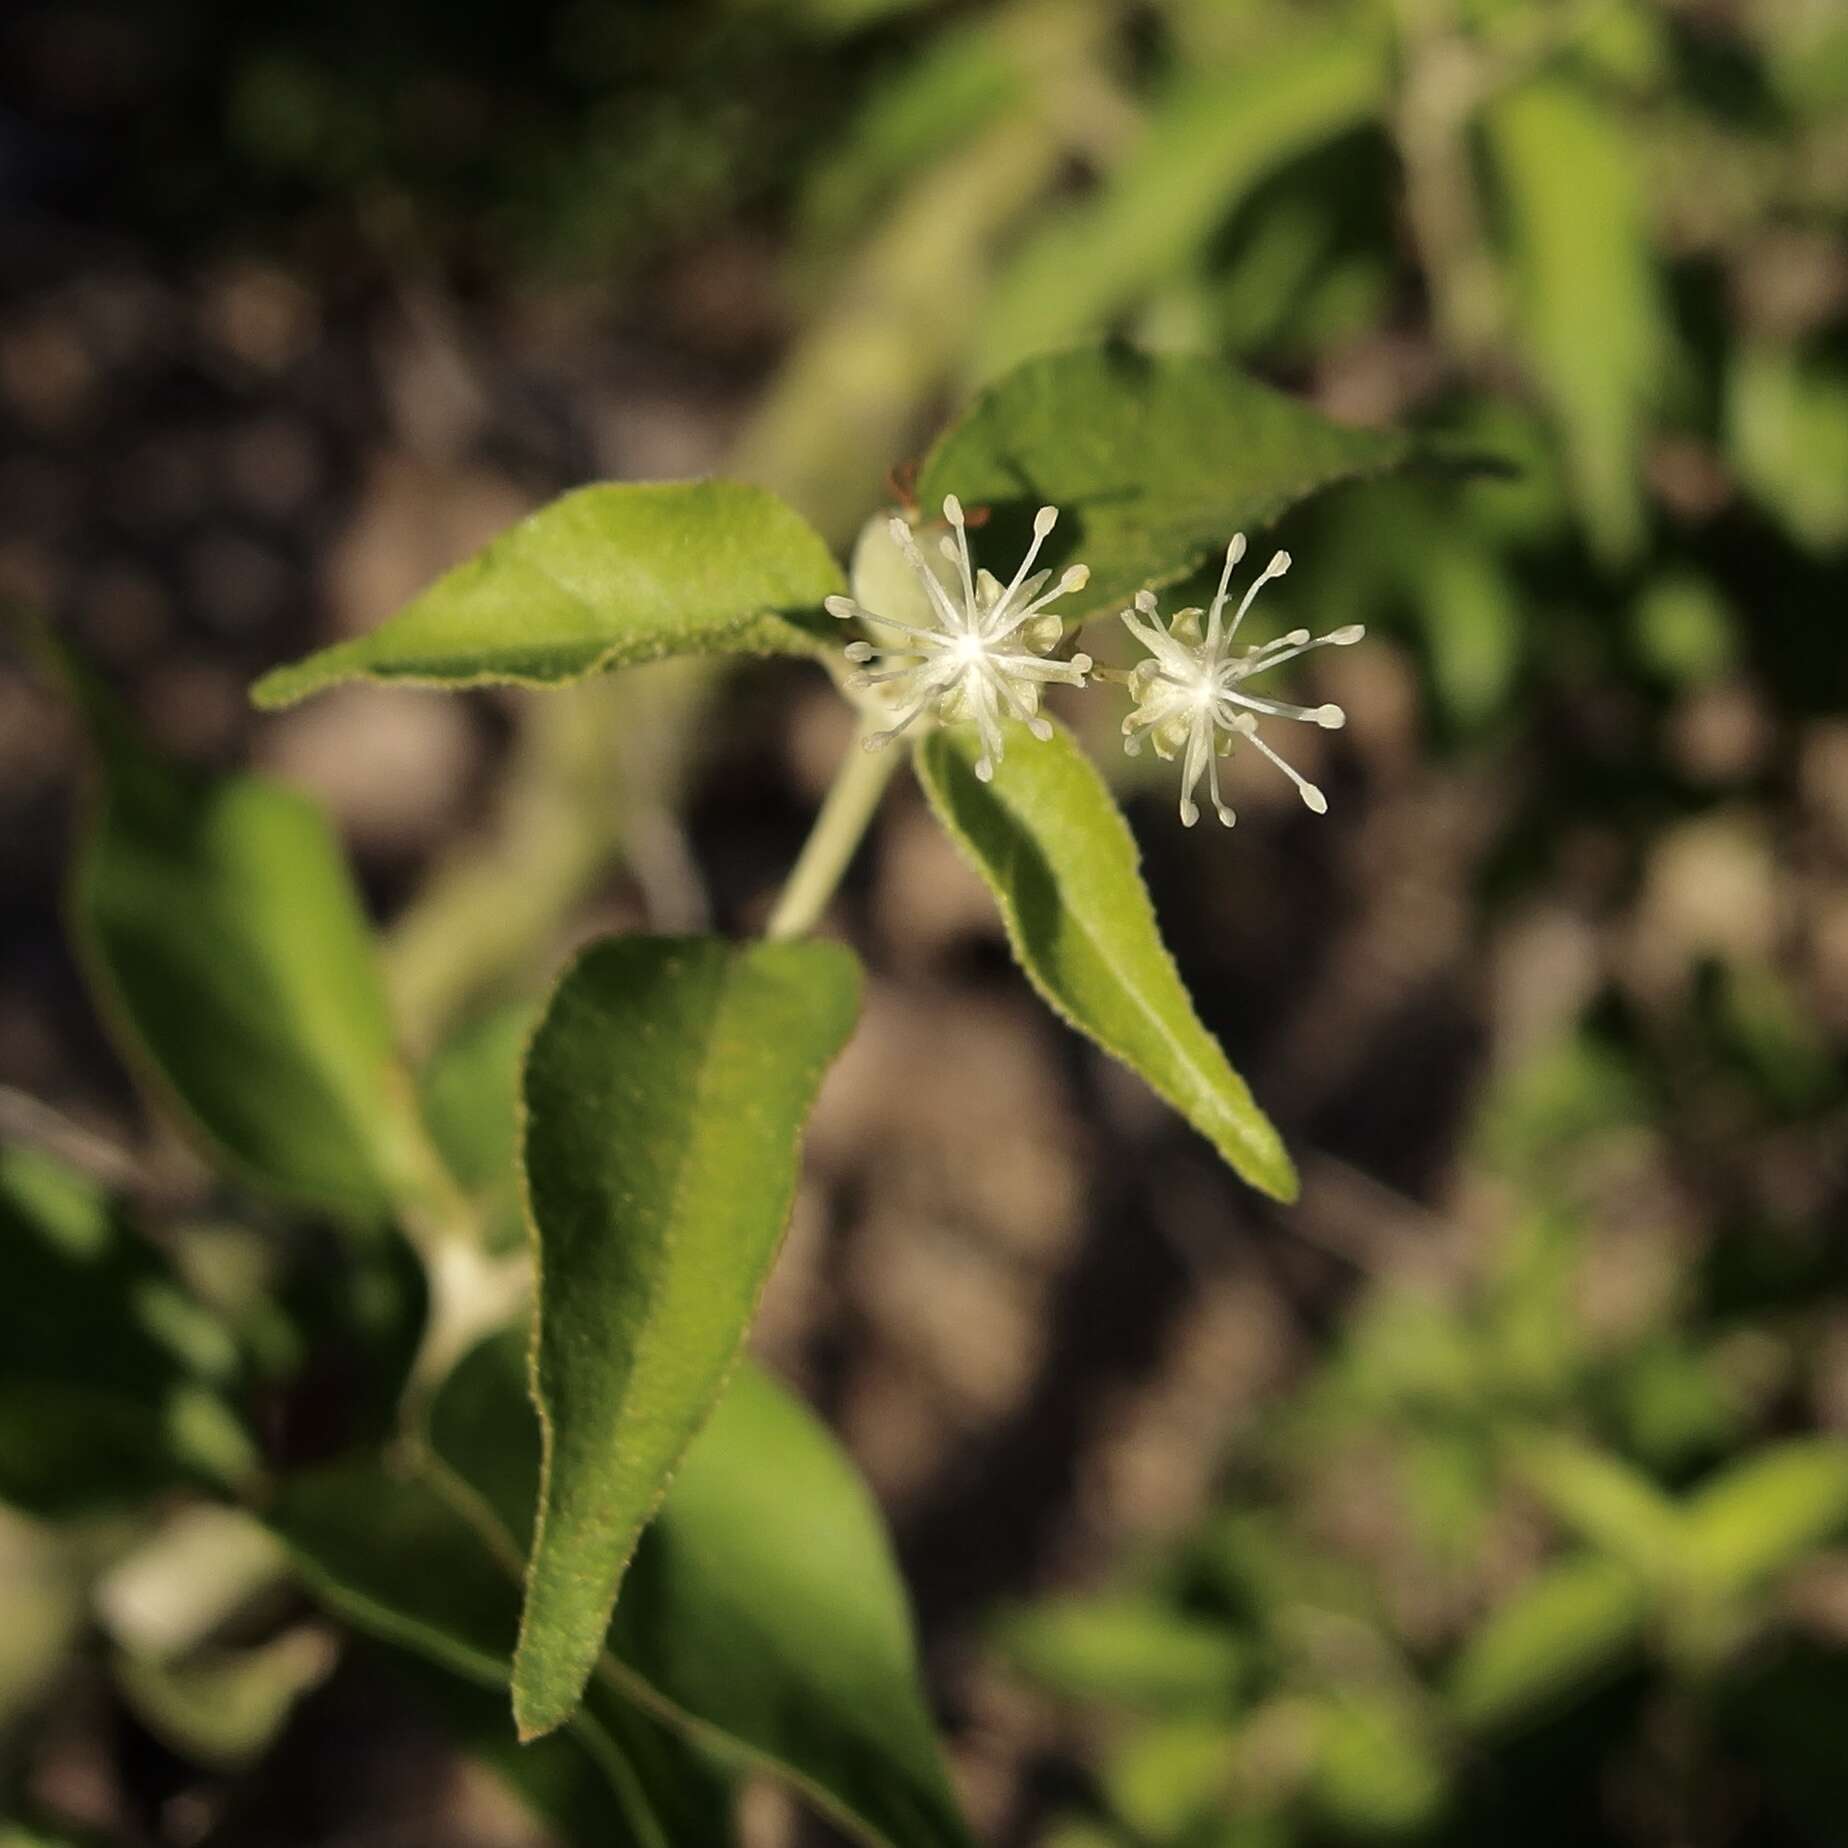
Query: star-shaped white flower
{"points": [[986, 653], [1190, 695]]}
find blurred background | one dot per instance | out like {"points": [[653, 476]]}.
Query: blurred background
{"points": [[1495, 1492]]}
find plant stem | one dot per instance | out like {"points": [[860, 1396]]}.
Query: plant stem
{"points": [[840, 826]]}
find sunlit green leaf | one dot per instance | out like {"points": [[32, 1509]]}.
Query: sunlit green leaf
{"points": [[664, 1094], [1765, 1513], [1605, 1501], [1153, 462], [1378, 1774], [1171, 1775], [1059, 858], [1787, 434], [607, 577], [115, 1381], [1571, 1627]]}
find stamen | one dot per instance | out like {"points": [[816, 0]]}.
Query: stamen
{"points": [[940, 598], [1279, 564], [952, 511], [1282, 709], [1043, 523], [1312, 797], [1226, 817], [1234, 552]]}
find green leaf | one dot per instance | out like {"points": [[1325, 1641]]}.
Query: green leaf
{"points": [[613, 1779], [469, 1089], [1170, 1776], [116, 1381], [763, 1614], [665, 1092], [1378, 1774], [1129, 1652], [224, 1707], [1060, 860], [395, 1554], [1787, 435], [227, 947], [763, 1605], [1153, 462], [1606, 1501], [606, 577], [1586, 292], [765, 1602], [1765, 1514], [1207, 144], [956, 85], [1573, 1624]]}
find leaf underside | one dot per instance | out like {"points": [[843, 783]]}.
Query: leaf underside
{"points": [[605, 577], [1053, 848]]}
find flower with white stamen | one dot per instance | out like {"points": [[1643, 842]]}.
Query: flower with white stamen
{"points": [[986, 653], [1189, 692]]}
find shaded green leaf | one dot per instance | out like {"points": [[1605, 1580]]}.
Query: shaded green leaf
{"points": [[116, 1380], [1586, 291], [1063, 867], [1207, 143], [763, 1614], [613, 1781], [665, 1092], [227, 947], [396, 1554], [469, 1088], [959, 81], [606, 577], [225, 1707], [1153, 462], [763, 1604]]}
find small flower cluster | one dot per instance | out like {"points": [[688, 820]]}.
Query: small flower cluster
{"points": [[988, 650]]}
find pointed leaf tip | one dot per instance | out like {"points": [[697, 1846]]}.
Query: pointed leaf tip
{"points": [[665, 1090], [1053, 848]]}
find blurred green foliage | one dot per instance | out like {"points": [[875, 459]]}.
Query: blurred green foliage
{"points": [[1503, 1566], [1532, 1551]]}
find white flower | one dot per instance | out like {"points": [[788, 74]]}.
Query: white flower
{"points": [[1190, 689], [986, 652]]}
